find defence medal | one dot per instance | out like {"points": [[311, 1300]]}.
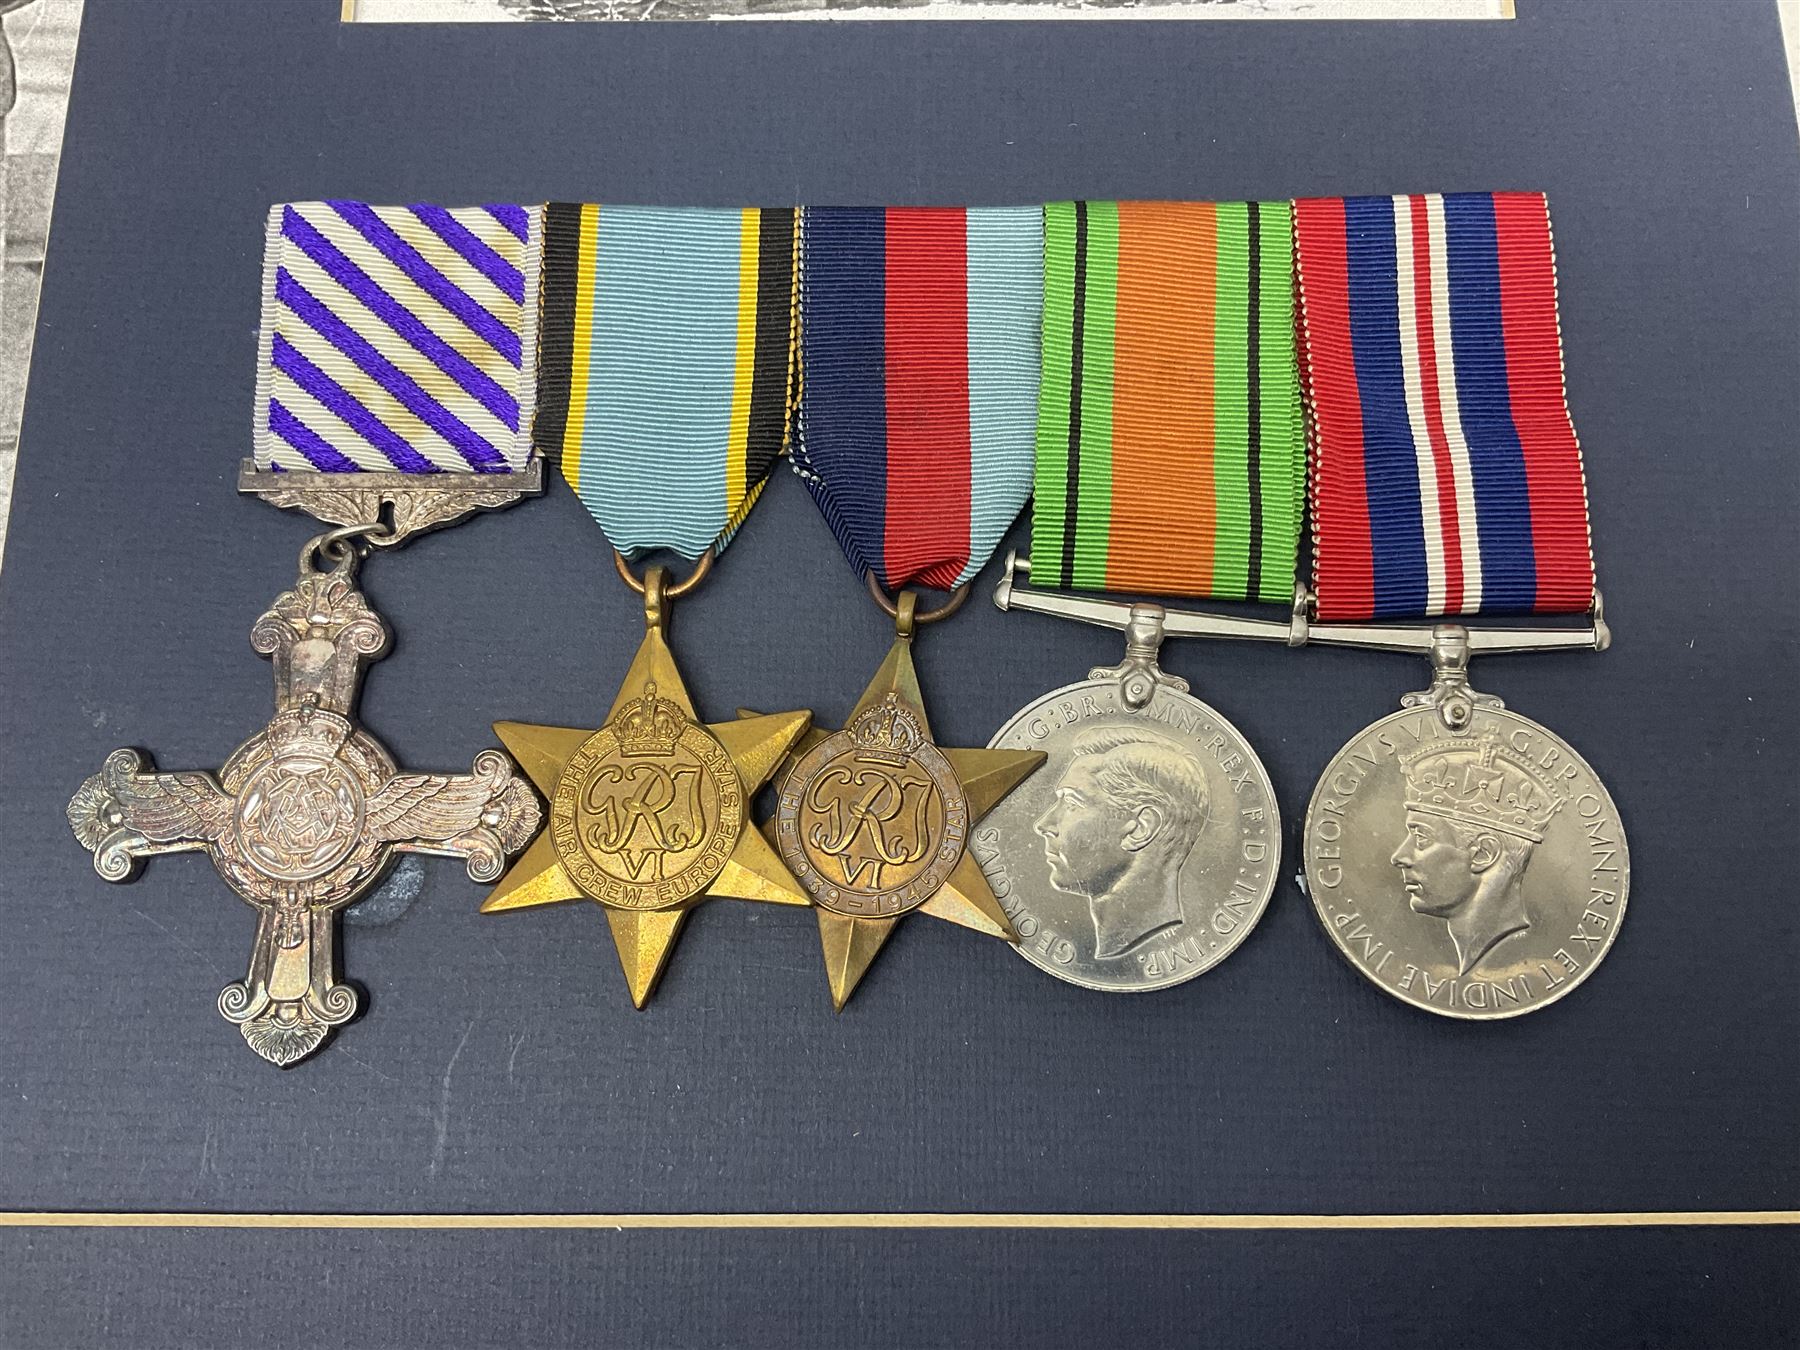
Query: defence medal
{"points": [[1463, 858], [394, 392], [1170, 460], [668, 363], [920, 332]]}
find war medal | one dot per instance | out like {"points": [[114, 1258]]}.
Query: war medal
{"points": [[915, 441], [1170, 461], [668, 360], [394, 393], [1462, 857]]}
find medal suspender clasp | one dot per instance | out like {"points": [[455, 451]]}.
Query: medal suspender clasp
{"points": [[1300, 630], [1424, 638], [1009, 595], [406, 503], [1448, 646]]}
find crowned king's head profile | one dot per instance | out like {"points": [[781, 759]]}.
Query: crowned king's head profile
{"points": [[1127, 812], [1475, 811]]}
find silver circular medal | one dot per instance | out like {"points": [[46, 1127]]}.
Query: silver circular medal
{"points": [[1478, 873], [1146, 848]]}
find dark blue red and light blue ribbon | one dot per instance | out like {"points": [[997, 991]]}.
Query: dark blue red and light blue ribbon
{"points": [[1446, 477], [918, 410]]}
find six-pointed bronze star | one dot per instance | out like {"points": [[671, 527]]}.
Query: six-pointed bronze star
{"points": [[963, 896], [718, 856]]}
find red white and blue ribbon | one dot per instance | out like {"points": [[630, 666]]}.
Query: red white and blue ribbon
{"points": [[919, 378], [398, 338], [1446, 477]]}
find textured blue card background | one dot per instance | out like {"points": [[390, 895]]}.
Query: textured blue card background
{"points": [[499, 1066]]}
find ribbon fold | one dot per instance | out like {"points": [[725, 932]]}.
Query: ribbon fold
{"points": [[1170, 452], [919, 334]]}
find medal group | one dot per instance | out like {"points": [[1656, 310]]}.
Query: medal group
{"points": [[1183, 391]]}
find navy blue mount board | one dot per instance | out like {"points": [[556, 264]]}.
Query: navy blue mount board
{"points": [[499, 1066], [1687, 1290]]}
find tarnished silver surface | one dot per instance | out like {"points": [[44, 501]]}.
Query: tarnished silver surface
{"points": [[412, 502], [306, 814], [1462, 857], [1146, 849]]}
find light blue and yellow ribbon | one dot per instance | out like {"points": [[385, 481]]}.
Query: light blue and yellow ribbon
{"points": [[668, 365]]}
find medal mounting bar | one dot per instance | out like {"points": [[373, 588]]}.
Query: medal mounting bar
{"points": [[1448, 646], [1300, 630], [417, 502], [1144, 624], [1009, 595], [1425, 639]]}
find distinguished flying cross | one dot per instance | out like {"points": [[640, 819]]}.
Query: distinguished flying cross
{"points": [[305, 815]]}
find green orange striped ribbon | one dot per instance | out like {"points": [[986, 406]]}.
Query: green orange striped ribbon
{"points": [[1170, 446]]}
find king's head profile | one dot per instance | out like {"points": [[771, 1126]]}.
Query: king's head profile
{"points": [[1475, 811], [1128, 811], [649, 725]]}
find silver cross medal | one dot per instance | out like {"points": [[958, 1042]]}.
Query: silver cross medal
{"points": [[306, 814]]}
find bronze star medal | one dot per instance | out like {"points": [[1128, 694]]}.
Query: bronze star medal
{"points": [[874, 820], [649, 815]]}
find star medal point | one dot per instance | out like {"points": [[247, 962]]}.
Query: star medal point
{"points": [[874, 820], [649, 813], [666, 404], [915, 436]]}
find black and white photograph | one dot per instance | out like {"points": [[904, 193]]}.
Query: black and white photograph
{"points": [[575, 11], [37, 61]]}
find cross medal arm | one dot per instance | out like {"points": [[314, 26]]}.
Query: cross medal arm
{"points": [[306, 814], [128, 812], [481, 817]]}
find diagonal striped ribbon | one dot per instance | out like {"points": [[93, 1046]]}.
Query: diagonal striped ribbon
{"points": [[397, 338], [920, 334], [1170, 452], [1446, 474], [668, 358]]}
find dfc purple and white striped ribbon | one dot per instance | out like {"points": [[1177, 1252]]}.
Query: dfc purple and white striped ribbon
{"points": [[398, 338]]}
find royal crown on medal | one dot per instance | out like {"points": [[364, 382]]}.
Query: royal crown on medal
{"points": [[920, 350], [1463, 858], [1482, 784], [394, 390], [650, 727], [650, 813]]}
